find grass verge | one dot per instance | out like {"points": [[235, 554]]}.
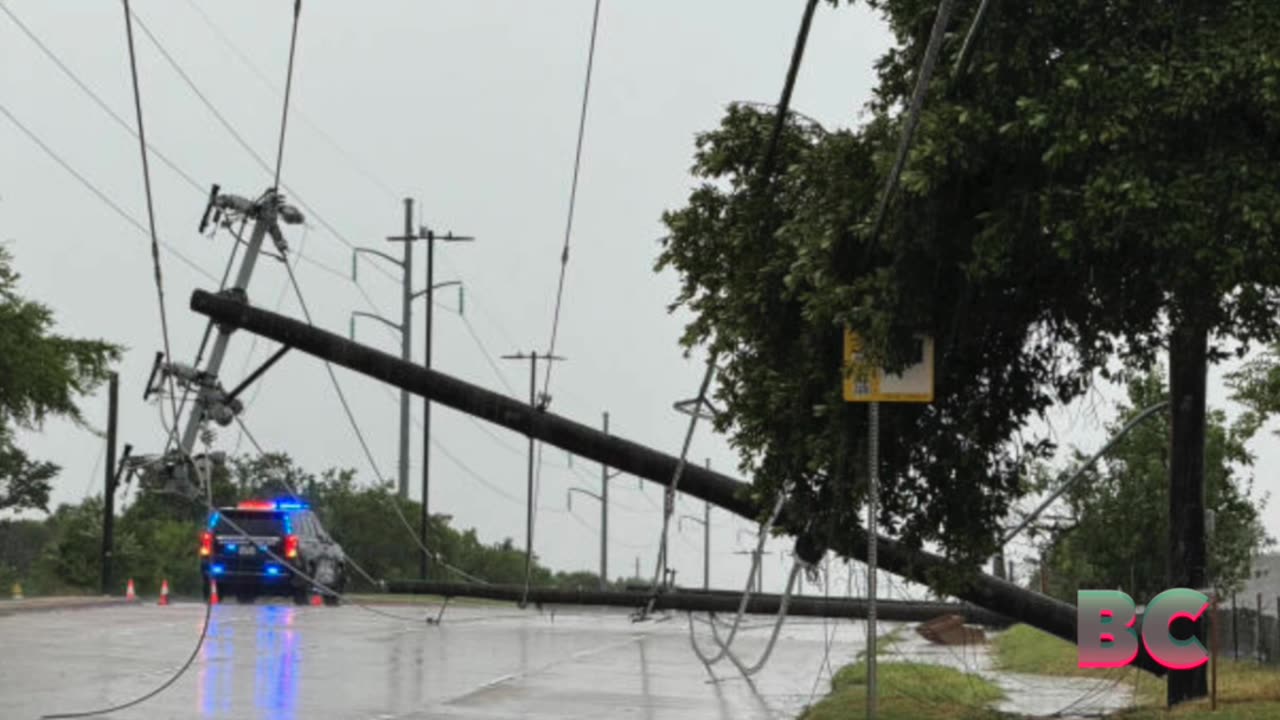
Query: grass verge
{"points": [[1246, 690], [907, 691]]}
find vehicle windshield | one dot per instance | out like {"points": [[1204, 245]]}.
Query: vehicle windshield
{"points": [[251, 522]]}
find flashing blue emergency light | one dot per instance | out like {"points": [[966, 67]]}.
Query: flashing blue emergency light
{"points": [[291, 505], [217, 569], [273, 570], [230, 547]]}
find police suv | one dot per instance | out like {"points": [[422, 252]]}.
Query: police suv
{"points": [[265, 547]]}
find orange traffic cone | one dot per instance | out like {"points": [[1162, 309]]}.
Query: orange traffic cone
{"points": [[316, 601], [164, 592], [129, 594], [213, 592]]}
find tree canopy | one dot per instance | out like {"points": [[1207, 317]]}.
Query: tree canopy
{"points": [[1107, 171], [41, 376]]}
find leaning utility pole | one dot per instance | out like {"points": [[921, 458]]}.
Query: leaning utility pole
{"points": [[541, 405], [212, 402]]}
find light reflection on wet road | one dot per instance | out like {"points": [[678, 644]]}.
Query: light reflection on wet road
{"points": [[278, 661]]}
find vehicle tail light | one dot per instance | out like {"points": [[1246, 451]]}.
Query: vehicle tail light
{"points": [[206, 544], [291, 546]]}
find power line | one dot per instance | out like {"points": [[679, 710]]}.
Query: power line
{"points": [[914, 110], [573, 194], [151, 211], [288, 85], [266, 82], [244, 144], [350, 158], [97, 98], [164, 325], [98, 193]]}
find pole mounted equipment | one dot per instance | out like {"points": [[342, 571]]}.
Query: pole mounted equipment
{"points": [[212, 401]]}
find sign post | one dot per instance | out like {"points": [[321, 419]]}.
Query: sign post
{"points": [[868, 384]]}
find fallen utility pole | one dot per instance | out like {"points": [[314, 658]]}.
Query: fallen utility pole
{"points": [[702, 601], [999, 596]]}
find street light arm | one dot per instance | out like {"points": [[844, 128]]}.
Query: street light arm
{"points": [[680, 522], [360, 313], [355, 254], [569, 496], [437, 286], [1081, 470]]}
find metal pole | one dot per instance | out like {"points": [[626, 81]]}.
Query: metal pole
{"points": [[426, 402], [873, 489], [1235, 629], [1259, 644], [406, 350], [1213, 688], [706, 541], [706, 545], [265, 219], [528, 516], [109, 488], [604, 517]]}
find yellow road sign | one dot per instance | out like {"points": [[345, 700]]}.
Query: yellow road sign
{"points": [[865, 383]]}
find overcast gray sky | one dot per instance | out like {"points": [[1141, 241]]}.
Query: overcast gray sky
{"points": [[471, 108]]}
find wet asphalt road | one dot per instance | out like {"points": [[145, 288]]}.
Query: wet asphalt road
{"points": [[278, 661]]}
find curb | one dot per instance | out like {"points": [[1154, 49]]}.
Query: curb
{"points": [[33, 605]]}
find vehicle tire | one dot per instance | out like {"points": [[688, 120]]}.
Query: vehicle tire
{"points": [[246, 597], [332, 600], [301, 596]]}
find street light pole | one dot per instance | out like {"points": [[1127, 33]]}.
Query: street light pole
{"points": [[604, 503]]}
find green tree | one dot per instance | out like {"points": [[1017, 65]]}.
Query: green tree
{"points": [[41, 375], [1118, 519], [1104, 183]]}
